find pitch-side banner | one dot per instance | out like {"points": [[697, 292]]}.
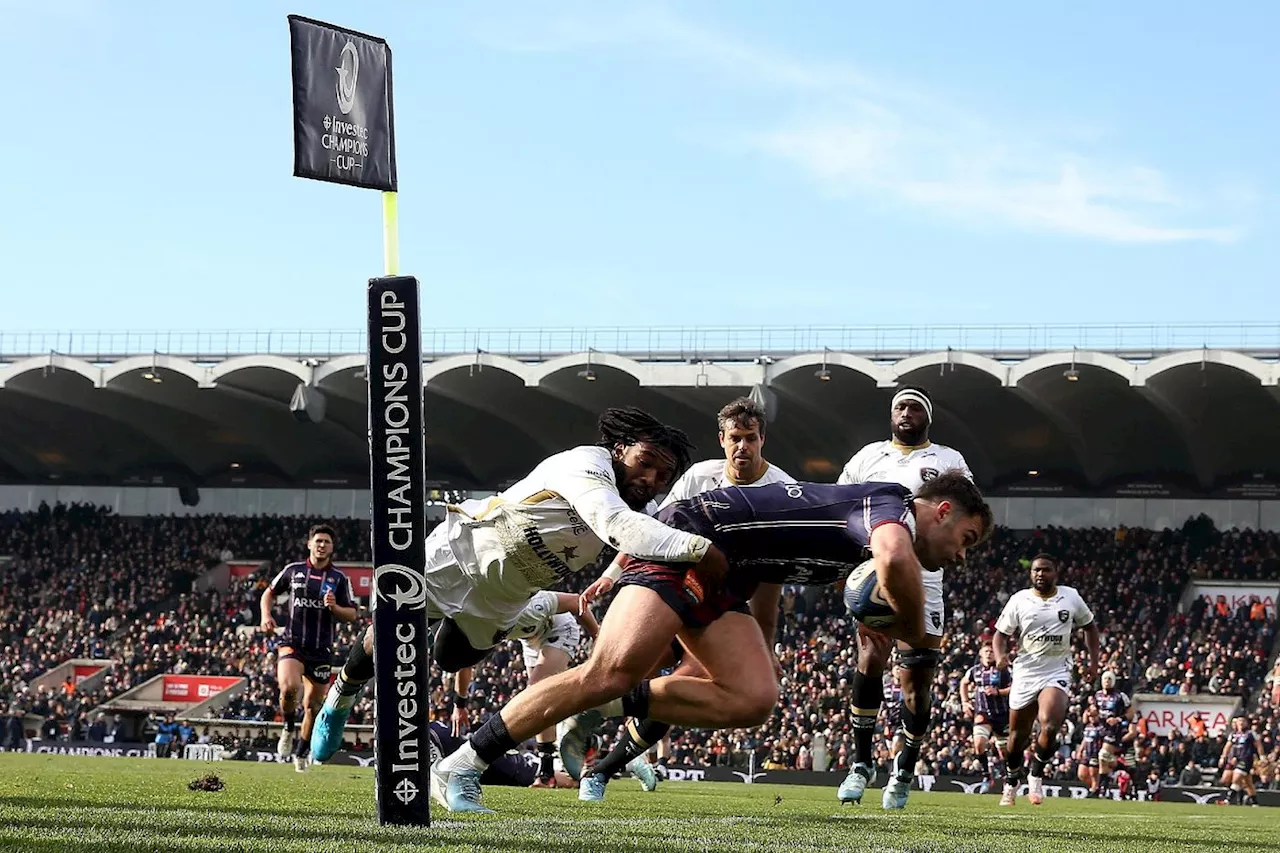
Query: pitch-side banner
{"points": [[343, 121]]}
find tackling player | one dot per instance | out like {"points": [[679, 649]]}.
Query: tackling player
{"points": [[782, 533], [741, 432], [910, 459], [319, 595], [1043, 618], [984, 695], [488, 557]]}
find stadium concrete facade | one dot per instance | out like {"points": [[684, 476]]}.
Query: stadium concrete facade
{"points": [[1149, 423]]}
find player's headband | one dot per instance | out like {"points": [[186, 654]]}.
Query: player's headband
{"points": [[915, 396]]}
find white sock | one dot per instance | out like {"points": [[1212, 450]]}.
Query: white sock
{"points": [[464, 758]]}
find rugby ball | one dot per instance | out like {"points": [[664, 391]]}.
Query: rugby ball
{"points": [[865, 601]]}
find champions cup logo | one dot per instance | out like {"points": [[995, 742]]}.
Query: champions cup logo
{"points": [[348, 69], [411, 595]]}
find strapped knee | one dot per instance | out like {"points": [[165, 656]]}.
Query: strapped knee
{"points": [[920, 659]]}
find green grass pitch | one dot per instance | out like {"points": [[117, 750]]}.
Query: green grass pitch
{"points": [[75, 805]]}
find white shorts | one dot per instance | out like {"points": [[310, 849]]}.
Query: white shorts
{"points": [[935, 612], [564, 635], [1026, 688], [452, 593]]}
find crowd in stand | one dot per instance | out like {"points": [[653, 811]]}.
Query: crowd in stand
{"points": [[84, 582]]}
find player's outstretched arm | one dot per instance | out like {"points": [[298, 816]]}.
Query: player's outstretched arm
{"points": [[966, 692], [600, 587], [567, 602], [594, 496], [898, 573]]}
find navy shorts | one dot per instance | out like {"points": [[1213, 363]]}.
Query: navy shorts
{"points": [[680, 590], [317, 666]]}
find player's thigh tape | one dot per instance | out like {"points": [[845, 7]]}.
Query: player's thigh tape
{"points": [[920, 659]]}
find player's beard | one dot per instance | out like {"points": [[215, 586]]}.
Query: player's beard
{"points": [[908, 435]]}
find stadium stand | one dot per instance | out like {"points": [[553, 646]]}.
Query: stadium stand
{"points": [[85, 582]]}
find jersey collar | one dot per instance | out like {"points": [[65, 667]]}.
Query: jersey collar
{"points": [[728, 474], [904, 449]]}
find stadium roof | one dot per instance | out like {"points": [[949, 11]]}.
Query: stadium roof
{"points": [[1084, 405]]}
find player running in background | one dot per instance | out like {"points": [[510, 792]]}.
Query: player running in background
{"points": [[1115, 710], [1238, 756], [549, 631], [488, 557], [319, 595], [1042, 617], [910, 459], [740, 429], [1089, 750], [984, 695], [808, 533]]}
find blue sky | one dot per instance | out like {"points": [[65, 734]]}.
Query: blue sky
{"points": [[694, 164]]}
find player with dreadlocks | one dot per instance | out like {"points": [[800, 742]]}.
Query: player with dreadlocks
{"points": [[488, 558]]}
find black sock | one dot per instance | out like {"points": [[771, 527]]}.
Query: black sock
{"points": [[302, 747], [290, 722], [636, 739], [985, 761], [868, 693], [546, 760], [492, 741], [1013, 771], [904, 763], [635, 703], [356, 671], [1039, 760]]}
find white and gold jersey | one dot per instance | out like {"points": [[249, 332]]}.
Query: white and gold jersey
{"points": [[551, 524], [890, 462], [713, 474], [1043, 627]]}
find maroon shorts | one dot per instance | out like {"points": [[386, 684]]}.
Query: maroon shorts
{"points": [[682, 591]]}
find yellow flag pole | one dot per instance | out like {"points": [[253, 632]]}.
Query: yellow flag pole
{"points": [[390, 235]]}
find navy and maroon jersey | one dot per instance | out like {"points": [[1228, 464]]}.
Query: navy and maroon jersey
{"points": [[1244, 745], [799, 533], [993, 707], [309, 627], [1111, 704], [1091, 742]]}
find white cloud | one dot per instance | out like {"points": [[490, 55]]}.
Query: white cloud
{"points": [[861, 135]]}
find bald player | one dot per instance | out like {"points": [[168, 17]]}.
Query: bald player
{"points": [[909, 459]]}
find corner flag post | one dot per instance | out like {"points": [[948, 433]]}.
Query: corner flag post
{"points": [[344, 133]]}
